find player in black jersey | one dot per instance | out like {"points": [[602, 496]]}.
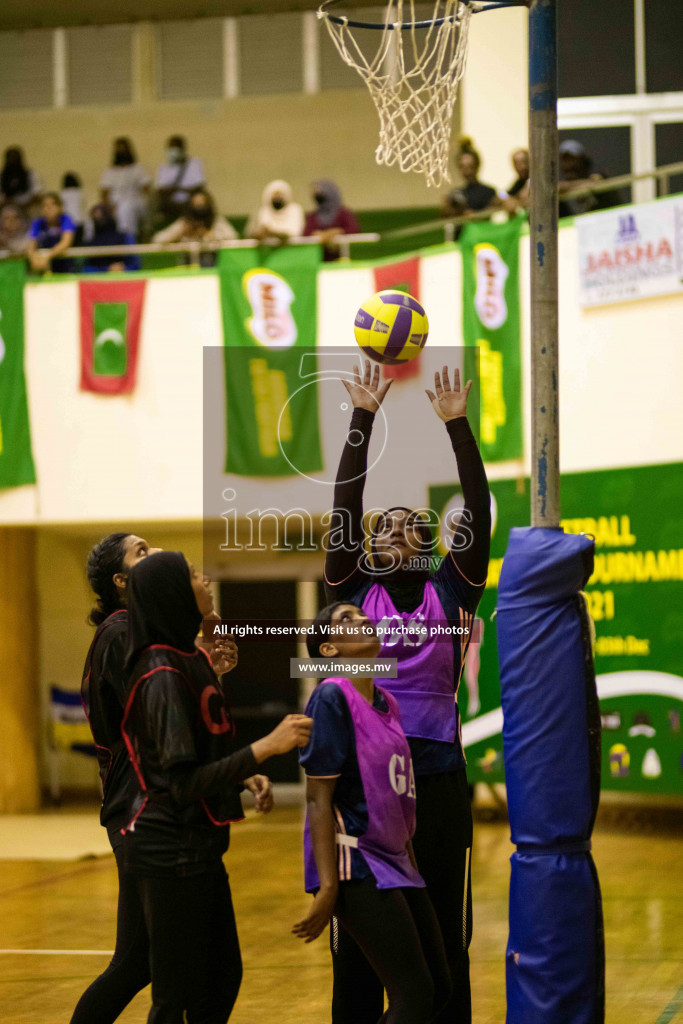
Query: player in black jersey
{"points": [[179, 734], [103, 691], [397, 586]]}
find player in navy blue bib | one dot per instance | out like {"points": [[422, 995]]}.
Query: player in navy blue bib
{"points": [[360, 793], [396, 587]]}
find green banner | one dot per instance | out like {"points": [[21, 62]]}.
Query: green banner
{"points": [[16, 460], [269, 305], [490, 321], [634, 596]]}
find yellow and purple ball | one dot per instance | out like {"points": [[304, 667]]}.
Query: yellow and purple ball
{"points": [[391, 327]]}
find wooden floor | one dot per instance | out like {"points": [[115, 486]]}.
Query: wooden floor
{"points": [[49, 909]]}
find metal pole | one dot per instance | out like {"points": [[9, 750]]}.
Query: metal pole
{"points": [[543, 153]]}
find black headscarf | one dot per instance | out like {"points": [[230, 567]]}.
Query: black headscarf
{"points": [[404, 585], [162, 608], [14, 175]]}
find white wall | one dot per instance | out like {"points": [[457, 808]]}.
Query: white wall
{"points": [[139, 457]]}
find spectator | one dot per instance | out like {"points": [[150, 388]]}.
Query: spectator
{"points": [[475, 196], [278, 216], [125, 186], [518, 193], [13, 229], [329, 219], [18, 183], [176, 179], [199, 223], [53, 230], [104, 231], [577, 171], [71, 194]]}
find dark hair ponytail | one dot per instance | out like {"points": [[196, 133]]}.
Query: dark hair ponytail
{"points": [[106, 559]]}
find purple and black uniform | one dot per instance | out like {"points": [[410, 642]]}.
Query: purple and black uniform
{"points": [[364, 747], [426, 691], [382, 901]]}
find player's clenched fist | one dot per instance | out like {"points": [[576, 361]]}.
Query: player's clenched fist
{"points": [[293, 731]]}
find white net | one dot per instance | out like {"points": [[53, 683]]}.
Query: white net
{"points": [[413, 79]]}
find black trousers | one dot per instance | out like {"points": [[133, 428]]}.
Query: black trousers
{"points": [[128, 973], [195, 954], [442, 844], [398, 932]]}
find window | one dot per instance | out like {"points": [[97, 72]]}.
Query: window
{"points": [[663, 46], [596, 47], [25, 69], [669, 150], [609, 149], [100, 64], [190, 59], [271, 54]]}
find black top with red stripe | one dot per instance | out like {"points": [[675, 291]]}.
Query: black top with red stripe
{"points": [[103, 693], [179, 734]]}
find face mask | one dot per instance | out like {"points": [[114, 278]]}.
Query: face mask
{"points": [[319, 198], [278, 204], [201, 216], [174, 154], [121, 158]]}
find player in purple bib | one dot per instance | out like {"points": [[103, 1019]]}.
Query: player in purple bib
{"points": [[360, 792], [396, 589]]}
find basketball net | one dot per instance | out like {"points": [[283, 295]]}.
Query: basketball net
{"points": [[413, 80]]}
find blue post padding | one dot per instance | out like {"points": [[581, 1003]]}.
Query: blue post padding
{"points": [[548, 767], [551, 741], [555, 953]]}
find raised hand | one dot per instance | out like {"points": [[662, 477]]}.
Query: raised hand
{"points": [[366, 393], [449, 403]]}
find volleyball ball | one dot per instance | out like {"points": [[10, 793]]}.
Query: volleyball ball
{"points": [[391, 327]]}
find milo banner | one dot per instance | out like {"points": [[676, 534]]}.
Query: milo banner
{"points": [[634, 598], [490, 321], [16, 460], [269, 328]]}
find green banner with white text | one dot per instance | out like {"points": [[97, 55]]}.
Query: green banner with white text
{"points": [[490, 321], [16, 460], [634, 597], [269, 308]]}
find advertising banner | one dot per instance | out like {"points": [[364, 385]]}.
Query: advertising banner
{"points": [[634, 597], [490, 324], [269, 306], [631, 252], [16, 459]]}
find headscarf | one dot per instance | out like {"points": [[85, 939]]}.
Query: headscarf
{"points": [[162, 608], [14, 177], [105, 231], [327, 211], [287, 221]]}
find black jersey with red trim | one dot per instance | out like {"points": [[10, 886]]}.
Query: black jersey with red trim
{"points": [[180, 737], [103, 693]]}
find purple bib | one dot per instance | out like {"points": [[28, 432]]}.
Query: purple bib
{"points": [[386, 772], [425, 686]]}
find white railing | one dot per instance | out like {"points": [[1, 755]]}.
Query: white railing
{"points": [[446, 224]]}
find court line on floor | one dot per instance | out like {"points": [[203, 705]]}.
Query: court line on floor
{"points": [[670, 1011], [56, 952]]}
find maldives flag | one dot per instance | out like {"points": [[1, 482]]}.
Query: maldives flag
{"points": [[111, 312], [401, 277]]}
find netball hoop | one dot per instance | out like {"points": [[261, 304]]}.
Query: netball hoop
{"points": [[412, 76]]}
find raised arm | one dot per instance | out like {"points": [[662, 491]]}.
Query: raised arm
{"points": [[466, 565], [342, 558]]}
